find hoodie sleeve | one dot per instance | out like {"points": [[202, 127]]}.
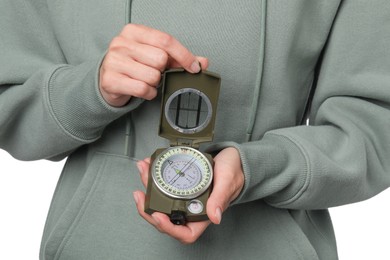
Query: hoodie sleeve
{"points": [[343, 156], [48, 107]]}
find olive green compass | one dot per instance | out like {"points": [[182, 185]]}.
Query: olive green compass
{"points": [[180, 176]]}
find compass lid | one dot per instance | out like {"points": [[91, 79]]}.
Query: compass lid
{"points": [[189, 105]]}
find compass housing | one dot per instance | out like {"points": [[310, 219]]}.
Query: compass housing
{"points": [[180, 176]]}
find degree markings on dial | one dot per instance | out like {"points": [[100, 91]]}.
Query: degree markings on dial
{"points": [[182, 188]]}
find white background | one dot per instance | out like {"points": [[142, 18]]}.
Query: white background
{"points": [[362, 229]]}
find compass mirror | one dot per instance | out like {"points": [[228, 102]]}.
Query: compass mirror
{"points": [[188, 111]]}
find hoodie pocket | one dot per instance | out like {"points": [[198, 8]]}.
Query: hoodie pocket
{"points": [[108, 180]]}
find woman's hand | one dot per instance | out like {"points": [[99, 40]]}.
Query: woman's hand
{"points": [[135, 60], [228, 183]]}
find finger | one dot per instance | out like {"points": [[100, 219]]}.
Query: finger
{"points": [[124, 64], [141, 72], [143, 167], [165, 42], [204, 63], [117, 84], [147, 160], [139, 198], [186, 234], [149, 55], [228, 182], [143, 53], [217, 203], [221, 196]]}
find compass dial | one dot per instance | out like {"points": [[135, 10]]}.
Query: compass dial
{"points": [[182, 172]]}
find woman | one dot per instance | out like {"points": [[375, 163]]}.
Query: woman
{"points": [[80, 79]]}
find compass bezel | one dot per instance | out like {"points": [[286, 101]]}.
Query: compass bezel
{"points": [[173, 192]]}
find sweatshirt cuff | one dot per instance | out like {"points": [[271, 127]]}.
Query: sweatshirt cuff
{"points": [[275, 169], [77, 104]]}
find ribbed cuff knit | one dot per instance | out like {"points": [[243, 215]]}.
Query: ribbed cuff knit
{"points": [[77, 104], [275, 170]]}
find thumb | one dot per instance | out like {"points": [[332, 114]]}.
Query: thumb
{"points": [[202, 61], [228, 183], [218, 201]]}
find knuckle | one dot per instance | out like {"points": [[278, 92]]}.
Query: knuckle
{"points": [[141, 90], [233, 188], [165, 40], [105, 80], [139, 212], [115, 43], [109, 60], [161, 60], [154, 77], [112, 89], [128, 28], [108, 84], [188, 241], [132, 48], [152, 94]]}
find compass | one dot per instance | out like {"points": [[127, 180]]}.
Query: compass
{"points": [[180, 176]]}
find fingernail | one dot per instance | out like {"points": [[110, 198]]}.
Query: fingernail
{"points": [[195, 67], [218, 215], [139, 167], [135, 195]]}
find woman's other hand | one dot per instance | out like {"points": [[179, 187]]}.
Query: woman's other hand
{"points": [[135, 60], [228, 183]]}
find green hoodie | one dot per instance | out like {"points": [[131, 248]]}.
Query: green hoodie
{"points": [[280, 61]]}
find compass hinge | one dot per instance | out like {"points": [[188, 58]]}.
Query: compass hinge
{"points": [[185, 142]]}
